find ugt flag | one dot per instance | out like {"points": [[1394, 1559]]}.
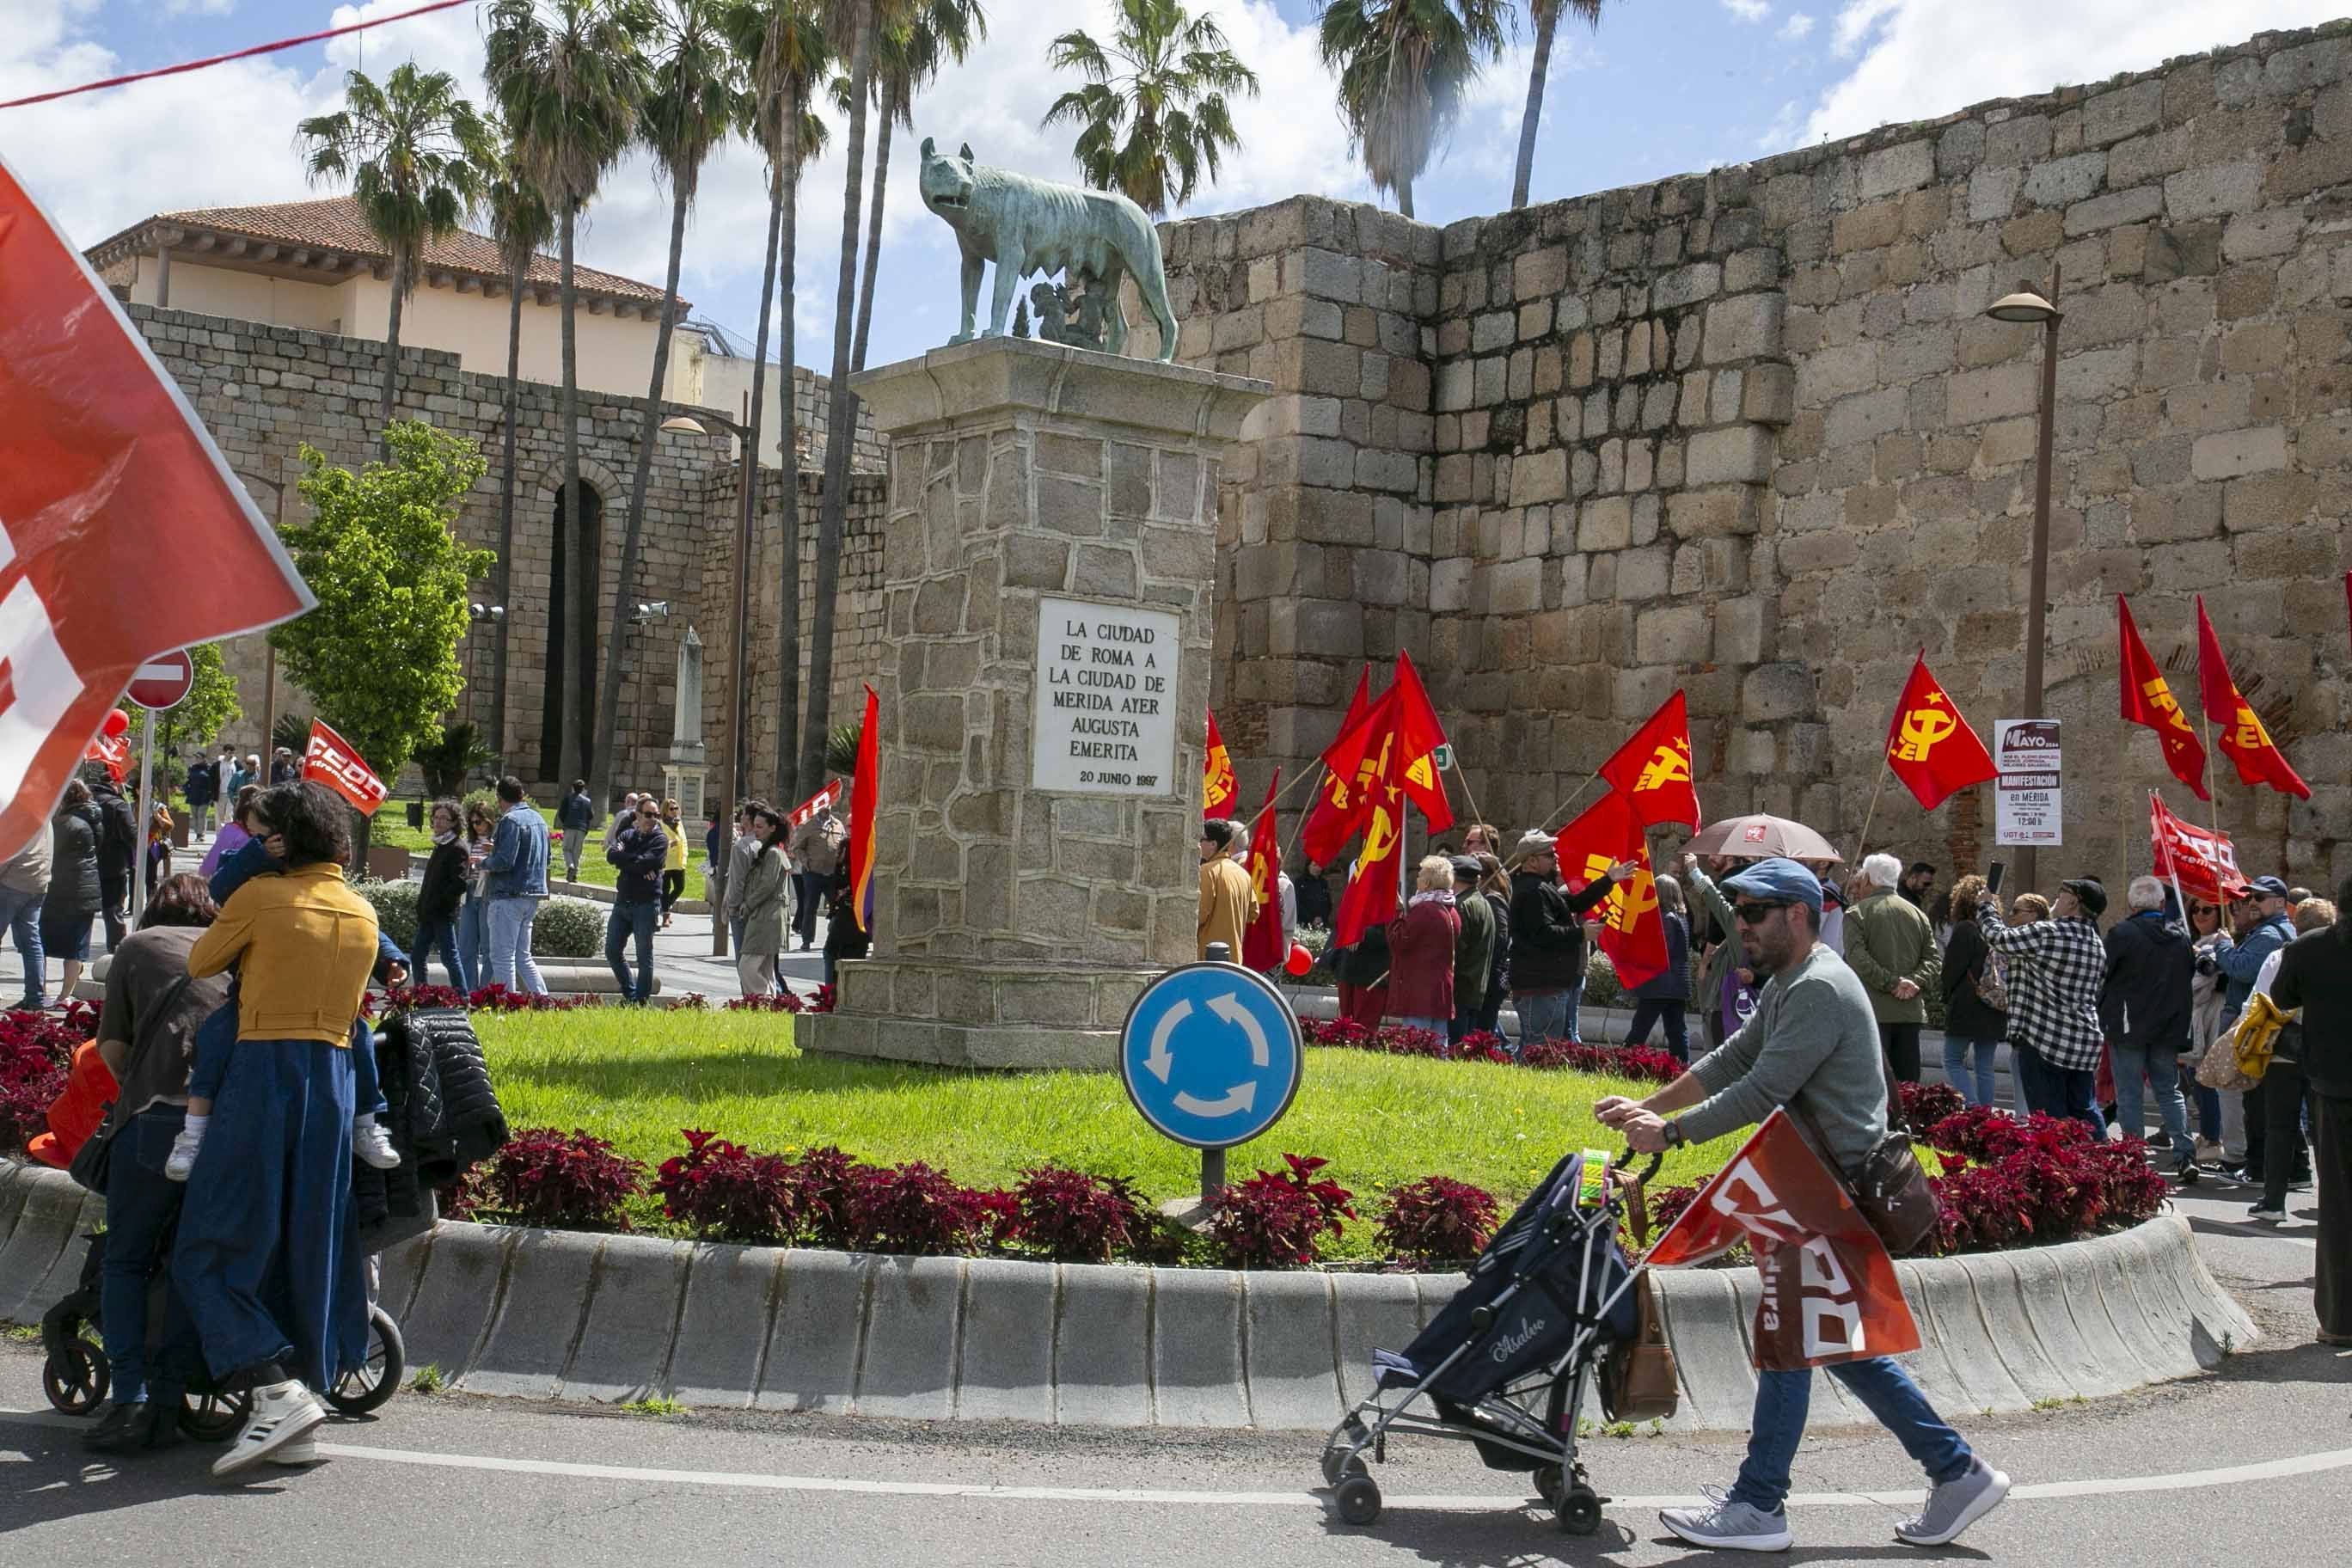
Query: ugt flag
{"points": [[2147, 700], [1652, 770], [1929, 746], [1633, 932], [1830, 1290], [2204, 863], [122, 533]]}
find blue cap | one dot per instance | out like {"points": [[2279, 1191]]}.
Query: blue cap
{"points": [[2268, 887], [1778, 880]]}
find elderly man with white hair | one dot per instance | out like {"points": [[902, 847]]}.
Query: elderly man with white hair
{"points": [[1892, 947], [2145, 1005]]}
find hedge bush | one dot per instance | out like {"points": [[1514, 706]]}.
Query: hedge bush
{"points": [[566, 927]]}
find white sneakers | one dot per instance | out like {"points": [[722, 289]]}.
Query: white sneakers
{"points": [[371, 1143], [283, 1413], [183, 1157]]}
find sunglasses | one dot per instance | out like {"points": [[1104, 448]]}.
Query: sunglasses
{"points": [[1755, 913]]}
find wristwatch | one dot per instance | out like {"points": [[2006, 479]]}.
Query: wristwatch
{"points": [[1674, 1135]]}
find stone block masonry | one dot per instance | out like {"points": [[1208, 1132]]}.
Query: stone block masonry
{"points": [[1748, 433]]}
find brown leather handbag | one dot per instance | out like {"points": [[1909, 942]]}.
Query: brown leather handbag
{"points": [[1637, 1375]]}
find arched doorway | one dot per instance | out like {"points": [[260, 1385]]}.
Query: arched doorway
{"points": [[571, 672]]}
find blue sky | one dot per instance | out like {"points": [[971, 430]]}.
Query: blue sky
{"points": [[1663, 87]]}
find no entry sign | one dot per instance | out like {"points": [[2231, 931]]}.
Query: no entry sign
{"points": [[163, 681]]}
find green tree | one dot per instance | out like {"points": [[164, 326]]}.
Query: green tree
{"points": [[1403, 66], [414, 151], [378, 653], [210, 705], [521, 225], [1152, 116], [786, 53], [1546, 15], [696, 100], [570, 77]]}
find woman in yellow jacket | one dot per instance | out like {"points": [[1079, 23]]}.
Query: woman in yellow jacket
{"points": [[267, 1263], [673, 883]]}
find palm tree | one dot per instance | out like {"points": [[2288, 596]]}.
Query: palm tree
{"points": [[695, 103], [413, 150], [571, 78], [786, 53], [1163, 80], [1545, 14], [909, 59], [1403, 66], [521, 225]]}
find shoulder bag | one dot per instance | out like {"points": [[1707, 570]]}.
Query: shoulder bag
{"points": [[1637, 1375], [93, 1163], [1889, 1186]]}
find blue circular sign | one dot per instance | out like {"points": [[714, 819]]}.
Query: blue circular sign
{"points": [[1211, 1054]]}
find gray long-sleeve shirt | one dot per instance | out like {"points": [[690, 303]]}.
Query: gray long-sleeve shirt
{"points": [[1812, 1047]]}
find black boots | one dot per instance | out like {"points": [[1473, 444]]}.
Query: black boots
{"points": [[140, 1424]]}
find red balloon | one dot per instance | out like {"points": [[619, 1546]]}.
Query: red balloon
{"points": [[116, 722], [1300, 961]]}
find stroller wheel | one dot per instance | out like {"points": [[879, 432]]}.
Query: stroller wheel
{"points": [[1580, 1511], [1547, 1479], [214, 1417], [1338, 1465], [367, 1386], [1360, 1500], [75, 1377]]}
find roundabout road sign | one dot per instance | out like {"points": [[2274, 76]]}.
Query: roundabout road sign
{"points": [[1211, 1054]]}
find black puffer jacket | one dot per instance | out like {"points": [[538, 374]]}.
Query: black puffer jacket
{"points": [[73, 863], [117, 835], [1548, 932], [2145, 1004], [444, 1117]]}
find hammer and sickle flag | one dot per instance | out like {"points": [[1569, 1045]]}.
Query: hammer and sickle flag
{"points": [[1633, 933], [1652, 770], [1217, 787], [1929, 746], [1338, 808], [2244, 739], [2147, 700], [1263, 947]]}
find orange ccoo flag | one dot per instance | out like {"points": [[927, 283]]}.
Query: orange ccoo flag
{"points": [[2147, 700], [1652, 770], [1217, 787], [2244, 739], [1929, 746], [1338, 808]]}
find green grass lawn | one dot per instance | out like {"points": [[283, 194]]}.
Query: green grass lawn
{"points": [[391, 827], [637, 1078]]}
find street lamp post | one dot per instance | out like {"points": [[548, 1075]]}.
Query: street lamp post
{"points": [[2026, 306], [746, 495], [476, 613]]}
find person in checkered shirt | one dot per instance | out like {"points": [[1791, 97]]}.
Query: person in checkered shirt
{"points": [[2053, 1002]]}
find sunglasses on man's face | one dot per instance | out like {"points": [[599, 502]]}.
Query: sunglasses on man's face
{"points": [[1755, 913]]}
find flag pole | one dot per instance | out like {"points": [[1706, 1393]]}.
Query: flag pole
{"points": [[2155, 799], [1884, 768], [1561, 809]]}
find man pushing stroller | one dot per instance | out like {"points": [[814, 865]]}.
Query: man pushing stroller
{"points": [[1813, 1047]]}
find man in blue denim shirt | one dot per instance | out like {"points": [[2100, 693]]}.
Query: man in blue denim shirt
{"points": [[517, 881]]}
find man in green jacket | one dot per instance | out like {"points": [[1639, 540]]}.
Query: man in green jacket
{"points": [[1891, 946], [1474, 950]]}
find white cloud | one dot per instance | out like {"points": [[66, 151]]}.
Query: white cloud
{"points": [[1748, 10], [198, 7], [1780, 135], [1796, 27], [1925, 58]]}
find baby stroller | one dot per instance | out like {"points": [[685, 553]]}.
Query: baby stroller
{"points": [[1505, 1364]]}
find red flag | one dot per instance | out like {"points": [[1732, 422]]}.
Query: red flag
{"points": [[2204, 863], [1652, 770], [1633, 932], [1414, 757], [865, 785], [1338, 810], [112, 752], [2147, 700], [822, 800], [1929, 745], [1830, 1290], [1217, 787], [337, 764], [1262, 943], [2244, 739], [122, 533]]}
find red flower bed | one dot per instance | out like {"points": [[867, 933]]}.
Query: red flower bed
{"points": [[723, 1190], [545, 1176], [2047, 1179], [1437, 1220], [1279, 1221], [1644, 1062], [774, 1002], [1077, 1219], [485, 998]]}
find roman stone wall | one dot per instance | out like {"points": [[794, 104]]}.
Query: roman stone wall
{"points": [[1750, 432], [266, 391]]}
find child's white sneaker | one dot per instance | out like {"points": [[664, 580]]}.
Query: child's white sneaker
{"points": [[183, 1157], [371, 1143]]}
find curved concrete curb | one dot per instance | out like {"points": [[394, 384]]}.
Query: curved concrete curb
{"points": [[565, 1314]]}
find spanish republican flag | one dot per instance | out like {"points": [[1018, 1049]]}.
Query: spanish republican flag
{"points": [[1652, 770], [1633, 932], [1338, 808], [1217, 789], [866, 783], [2147, 700], [1262, 944], [2244, 739], [1929, 746]]}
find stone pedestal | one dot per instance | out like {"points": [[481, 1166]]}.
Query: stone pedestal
{"points": [[1049, 561]]}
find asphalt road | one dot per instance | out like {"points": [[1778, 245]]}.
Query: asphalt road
{"points": [[2253, 1463]]}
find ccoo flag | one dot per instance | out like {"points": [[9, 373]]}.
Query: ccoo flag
{"points": [[2244, 739], [1263, 947], [1633, 932], [1338, 808], [2147, 700], [1217, 788], [1652, 770], [1929, 746], [865, 783], [2204, 863]]}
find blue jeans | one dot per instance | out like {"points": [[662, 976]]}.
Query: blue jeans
{"points": [[735, 933], [139, 1207], [20, 917], [473, 939], [1548, 1014], [441, 935], [216, 1042], [2057, 1091], [2161, 1069], [1974, 1085], [1784, 1398], [509, 923], [1435, 1026], [2208, 1113], [625, 919], [1669, 1012]]}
